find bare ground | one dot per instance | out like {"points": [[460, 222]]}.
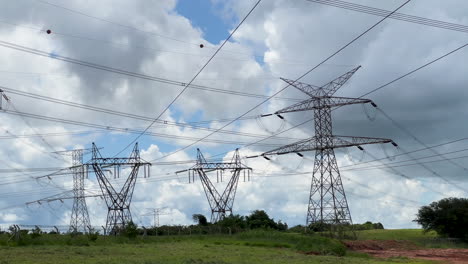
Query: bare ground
{"points": [[395, 248]]}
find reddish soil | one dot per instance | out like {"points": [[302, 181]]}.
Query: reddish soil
{"points": [[394, 248]]}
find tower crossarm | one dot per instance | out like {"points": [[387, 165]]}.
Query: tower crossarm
{"points": [[308, 144], [219, 166], [309, 89], [327, 89], [118, 161], [311, 144], [321, 102], [350, 141], [68, 195], [333, 86]]}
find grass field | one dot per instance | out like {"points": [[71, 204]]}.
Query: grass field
{"points": [[427, 240], [249, 247]]}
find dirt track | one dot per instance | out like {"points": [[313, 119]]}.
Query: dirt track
{"points": [[393, 248]]}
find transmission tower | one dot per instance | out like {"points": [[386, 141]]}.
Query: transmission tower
{"points": [[3, 96], [118, 202], [79, 220], [327, 199], [156, 212], [220, 203]]}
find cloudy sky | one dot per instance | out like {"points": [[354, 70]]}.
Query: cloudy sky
{"points": [[162, 41]]}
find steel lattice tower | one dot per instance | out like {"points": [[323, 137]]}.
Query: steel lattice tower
{"points": [[327, 199], [220, 204], [118, 202], [79, 220]]}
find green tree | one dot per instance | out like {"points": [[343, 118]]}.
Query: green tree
{"points": [[448, 217], [260, 219], [200, 219], [131, 230], [233, 221], [36, 232]]}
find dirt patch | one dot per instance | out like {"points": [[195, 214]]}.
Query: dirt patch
{"points": [[396, 248]]}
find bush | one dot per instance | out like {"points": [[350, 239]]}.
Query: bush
{"points": [[200, 219], [131, 230], [448, 217], [36, 232], [260, 219]]}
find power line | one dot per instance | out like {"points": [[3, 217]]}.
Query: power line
{"points": [[128, 115], [397, 16], [284, 88], [409, 133], [194, 77], [408, 164], [291, 62], [129, 73], [119, 24], [409, 152], [373, 91], [129, 130]]}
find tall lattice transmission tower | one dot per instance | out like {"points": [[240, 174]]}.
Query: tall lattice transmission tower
{"points": [[79, 220], [220, 203], [118, 201], [327, 199]]}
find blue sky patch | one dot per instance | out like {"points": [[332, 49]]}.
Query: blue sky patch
{"points": [[206, 16]]}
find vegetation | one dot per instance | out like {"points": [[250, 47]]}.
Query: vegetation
{"points": [[258, 246], [417, 236], [255, 238], [322, 227], [448, 217]]}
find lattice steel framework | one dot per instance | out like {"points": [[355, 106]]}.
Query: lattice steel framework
{"points": [[220, 204], [79, 220], [327, 199], [118, 202]]}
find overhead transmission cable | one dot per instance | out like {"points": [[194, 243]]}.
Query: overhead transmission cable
{"points": [[129, 130], [194, 77], [132, 28], [397, 16], [404, 153], [121, 44], [373, 91], [131, 74], [128, 115], [285, 87]]}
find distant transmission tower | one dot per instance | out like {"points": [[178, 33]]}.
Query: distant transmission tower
{"points": [[3, 96], [327, 199], [220, 203], [79, 221], [156, 212], [118, 202]]}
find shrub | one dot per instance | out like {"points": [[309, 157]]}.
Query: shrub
{"points": [[448, 217]]}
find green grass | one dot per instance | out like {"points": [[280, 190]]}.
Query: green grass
{"points": [[417, 236], [250, 247]]}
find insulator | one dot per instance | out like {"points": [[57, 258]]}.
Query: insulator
{"points": [[265, 157], [299, 154], [373, 104], [394, 144], [280, 116], [360, 148]]}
